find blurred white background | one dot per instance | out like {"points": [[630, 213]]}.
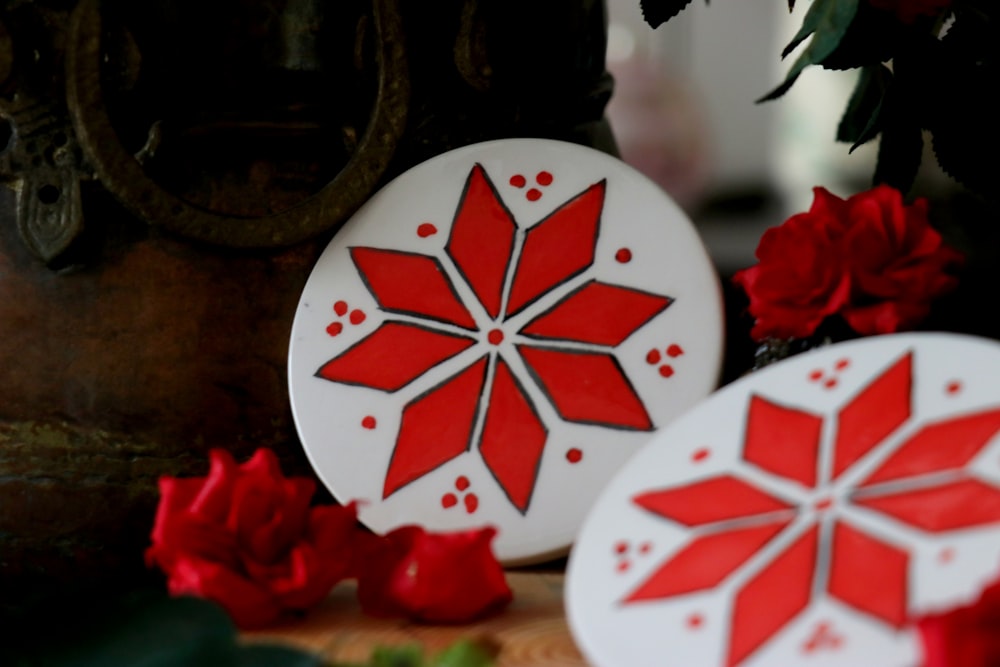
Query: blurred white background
{"points": [[684, 113]]}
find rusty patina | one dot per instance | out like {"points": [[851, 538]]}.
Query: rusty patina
{"points": [[175, 169]]}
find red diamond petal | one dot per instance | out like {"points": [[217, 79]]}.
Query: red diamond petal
{"points": [[405, 282], [436, 427], [773, 597], [716, 499], [877, 411], [587, 388], [513, 438], [598, 313], [945, 445], [705, 562], [951, 506], [392, 356], [869, 574], [783, 440], [557, 248], [481, 240]]}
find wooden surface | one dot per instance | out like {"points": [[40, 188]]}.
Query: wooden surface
{"points": [[531, 632]]}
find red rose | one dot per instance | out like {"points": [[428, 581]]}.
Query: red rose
{"points": [[909, 11], [245, 537], [898, 262], [433, 577], [800, 279], [871, 259], [965, 637]]}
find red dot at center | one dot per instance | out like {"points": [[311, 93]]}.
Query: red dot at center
{"points": [[824, 504], [574, 455], [495, 337], [695, 621], [368, 422], [623, 256], [426, 229]]}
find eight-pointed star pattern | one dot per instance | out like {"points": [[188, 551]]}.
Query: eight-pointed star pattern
{"points": [[567, 348], [921, 483]]}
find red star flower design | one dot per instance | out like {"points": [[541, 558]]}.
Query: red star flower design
{"points": [[919, 482], [566, 348]]}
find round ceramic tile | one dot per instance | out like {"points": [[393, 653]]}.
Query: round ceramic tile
{"points": [[494, 333], [801, 515]]}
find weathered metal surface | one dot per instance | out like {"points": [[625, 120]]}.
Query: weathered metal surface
{"points": [[129, 350], [122, 174]]}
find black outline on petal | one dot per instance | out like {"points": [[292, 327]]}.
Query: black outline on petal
{"points": [[534, 336], [538, 417], [513, 239], [413, 313], [621, 371]]}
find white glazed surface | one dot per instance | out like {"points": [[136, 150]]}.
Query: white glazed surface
{"points": [[667, 258], [952, 376]]}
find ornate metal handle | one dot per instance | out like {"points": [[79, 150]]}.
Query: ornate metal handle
{"points": [[122, 174]]}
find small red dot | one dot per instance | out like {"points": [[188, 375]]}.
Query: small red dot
{"points": [[518, 181], [954, 387], [666, 370], [623, 256], [534, 194], [426, 229], [700, 454], [824, 504], [357, 316], [621, 547], [645, 547], [830, 383], [448, 500], [368, 422], [653, 357], [695, 621], [340, 308], [471, 503], [462, 483], [574, 455], [543, 178], [495, 337], [946, 555], [335, 328], [842, 364], [675, 350], [816, 375], [623, 566]]}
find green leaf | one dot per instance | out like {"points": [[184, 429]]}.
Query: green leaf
{"points": [[658, 12], [827, 21], [465, 653], [861, 121], [410, 655]]}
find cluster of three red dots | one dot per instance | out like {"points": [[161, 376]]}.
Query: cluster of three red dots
{"points": [[340, 308]]}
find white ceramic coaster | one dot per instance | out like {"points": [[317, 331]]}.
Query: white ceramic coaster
{"points": [[802, 514], [494, 333]]}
